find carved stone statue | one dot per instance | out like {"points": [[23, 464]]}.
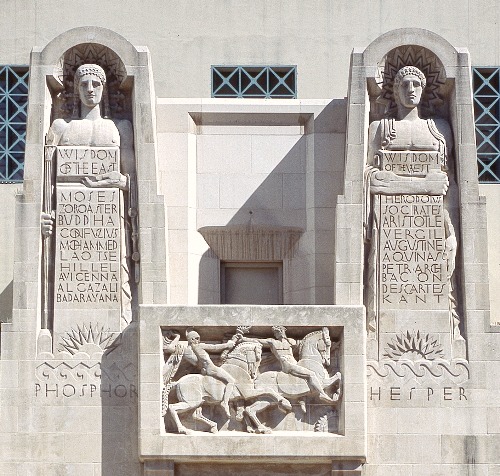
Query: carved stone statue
{"points": [[411, 236], [89, 203], [409, 132]]}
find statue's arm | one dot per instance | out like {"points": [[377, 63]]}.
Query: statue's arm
{"points": [[55, 132], [292, 342], [373, 143], [126, 132], [52, 139], [443, 126], [169, 346], [125, 178], [388, 183], [218, 347], [263, 342]]}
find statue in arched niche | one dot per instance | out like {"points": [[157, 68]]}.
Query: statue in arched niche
{"points": [[411, 236], [89, 203]]}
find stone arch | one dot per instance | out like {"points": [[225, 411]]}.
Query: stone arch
{"points": [[116, 55], [426, 50], [378, 48], [128, 53]]}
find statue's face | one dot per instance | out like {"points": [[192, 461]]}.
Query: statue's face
{"points": [[278, 333], [409, 91], [194, 338], [90, 90]]}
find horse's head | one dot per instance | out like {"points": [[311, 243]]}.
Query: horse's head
{"points": [[247, 355], [316, 345], [325, 346], [254, 357]]}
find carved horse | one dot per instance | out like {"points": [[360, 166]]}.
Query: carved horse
{"points": [[195, 390], [314, 354]]}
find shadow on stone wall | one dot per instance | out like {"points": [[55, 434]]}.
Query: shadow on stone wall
{"points": [[315, 165], [6, 303], [119, 396]]}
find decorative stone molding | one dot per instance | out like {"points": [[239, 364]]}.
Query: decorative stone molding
{"points": [[252, 243], [457, 371]]}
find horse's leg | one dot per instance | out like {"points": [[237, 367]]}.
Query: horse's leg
{"points": [[248, 423], [182, 407], [198, 415], [283, 403], [330, 381], [252, 410], [239, 403]]}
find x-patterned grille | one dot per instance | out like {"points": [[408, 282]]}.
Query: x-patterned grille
{"points": [[254, 82], [13, 112], [486, 83]]}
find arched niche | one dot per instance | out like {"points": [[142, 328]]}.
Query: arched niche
{"points": [[448, 96]]}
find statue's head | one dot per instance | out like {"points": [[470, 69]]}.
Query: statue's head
{"points": [[409, 84], [90, 86], [192, 336], [279, 331]]}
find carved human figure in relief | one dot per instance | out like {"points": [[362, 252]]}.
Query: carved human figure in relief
{"points": [[409, 132], [281, 347], [90, 126], [196, 353]]}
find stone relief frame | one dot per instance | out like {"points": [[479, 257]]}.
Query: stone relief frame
{"points": [[349, 443]]}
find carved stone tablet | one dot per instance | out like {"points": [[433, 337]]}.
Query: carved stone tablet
{"points": [[74, 162], [412, 252]]}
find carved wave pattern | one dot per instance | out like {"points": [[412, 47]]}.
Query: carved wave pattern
{"points": [[79, 371], [457, 370]]}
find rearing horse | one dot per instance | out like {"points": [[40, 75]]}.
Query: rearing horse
{"points": [[314, 354]]}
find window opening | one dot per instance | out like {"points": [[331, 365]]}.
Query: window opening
{"points": [[13, 114], [254, 82], [251, 283], [486, 86]]}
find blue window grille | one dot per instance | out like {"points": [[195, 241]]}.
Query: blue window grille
{"points": [[486, 85], [13, 112], [254, 82]]}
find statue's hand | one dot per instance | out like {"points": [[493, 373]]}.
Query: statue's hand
{"points": [[437, 182], [450, 244], [231, 344], [108, 180], [388, 183], [47, 224], [382, 180], [450, 253]]}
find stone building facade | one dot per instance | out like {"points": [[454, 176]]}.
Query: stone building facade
{"points": [[250, 285]]}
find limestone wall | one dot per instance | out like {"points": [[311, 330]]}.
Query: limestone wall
{"points": [[186, 39], [7, 197], [227, 165], [249, 182]]}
